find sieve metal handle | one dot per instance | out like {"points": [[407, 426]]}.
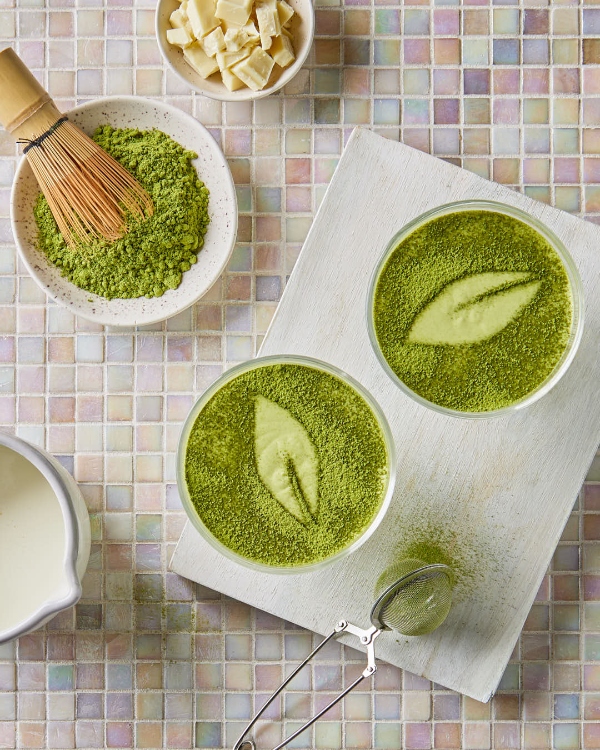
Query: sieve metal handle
{"points": [[367, 638]]}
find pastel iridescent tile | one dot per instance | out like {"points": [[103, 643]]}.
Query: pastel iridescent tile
{"points": [[506, 21], [475, 52], [506, 52], [416, 22], [387, 21]]}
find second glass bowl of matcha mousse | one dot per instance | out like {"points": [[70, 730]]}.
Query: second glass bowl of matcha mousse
{"points": [[475, 309], [286, 464]]}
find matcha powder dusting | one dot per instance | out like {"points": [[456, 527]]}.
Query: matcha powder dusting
{"points": [[153, 256], [286, 465]]}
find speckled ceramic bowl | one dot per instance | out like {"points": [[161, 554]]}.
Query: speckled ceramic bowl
{"points": [[302, 27], [135, 112]]}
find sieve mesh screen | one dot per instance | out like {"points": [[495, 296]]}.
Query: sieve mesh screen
{"points": [[419, 606]]}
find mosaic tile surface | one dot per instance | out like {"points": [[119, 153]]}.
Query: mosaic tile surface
{"points": [[510, 91]]}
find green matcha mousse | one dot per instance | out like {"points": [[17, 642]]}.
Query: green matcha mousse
{"points": [[473, 310], [286, 464]]}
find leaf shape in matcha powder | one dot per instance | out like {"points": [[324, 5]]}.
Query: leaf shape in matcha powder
{"points": [[473, 309], [286, 460]]}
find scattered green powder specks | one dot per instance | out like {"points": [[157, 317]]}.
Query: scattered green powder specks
{"points": [[258, 520], [155, 253], [434, 543], [498, 369]]}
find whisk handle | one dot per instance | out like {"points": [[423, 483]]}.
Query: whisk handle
{"points": [[26, 108]]}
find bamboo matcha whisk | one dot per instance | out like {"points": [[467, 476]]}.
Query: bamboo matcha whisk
{"points": [[89, 193]]}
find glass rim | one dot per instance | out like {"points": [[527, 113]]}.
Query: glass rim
{"points": [[219, 383], [576, 296]]}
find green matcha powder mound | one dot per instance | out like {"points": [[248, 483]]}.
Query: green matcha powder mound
{"points": [[155, 253]]}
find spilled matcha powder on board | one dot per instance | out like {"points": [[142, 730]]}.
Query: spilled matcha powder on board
{"points": [[153, 256], [286, 465], [473, 310]]}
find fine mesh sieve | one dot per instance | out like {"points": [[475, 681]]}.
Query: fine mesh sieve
{"points": [[412, 598]]}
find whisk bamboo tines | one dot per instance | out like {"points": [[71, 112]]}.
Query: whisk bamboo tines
{"points": [[89, 193]]}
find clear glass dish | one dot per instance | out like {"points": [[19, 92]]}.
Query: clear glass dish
{"points": [[205, 398], [576, 292]]}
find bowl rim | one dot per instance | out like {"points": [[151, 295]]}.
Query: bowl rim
{"points": [[44, 463], [310, 362], [98, 317], [245, 94], [575, 284]]}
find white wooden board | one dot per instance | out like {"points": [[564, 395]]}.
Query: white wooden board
{"points": [[498, 492]]}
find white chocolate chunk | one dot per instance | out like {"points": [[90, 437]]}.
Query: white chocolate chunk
{"points": [[251, 30], [200, 61], [226, 25], [202, 17], [235, 39], [255, 70], [284, 11], [282, 51], [231, 81], [214, 42], [268, 20], [180, 37], [234, 12], [178, 19], [226, 60]]}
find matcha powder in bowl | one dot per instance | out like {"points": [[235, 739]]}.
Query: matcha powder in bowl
{"points": [[286, 464], [475, 309], [153, 256]]}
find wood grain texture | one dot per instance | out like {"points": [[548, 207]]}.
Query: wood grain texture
{"points": [[496, 492]]}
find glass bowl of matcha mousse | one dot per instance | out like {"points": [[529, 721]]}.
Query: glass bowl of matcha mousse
{"points": [[475, 309], [286, 464]]}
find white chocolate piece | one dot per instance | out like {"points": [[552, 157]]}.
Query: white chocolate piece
{"points": [[181, 37], [268, 20], [202, 17], [282, 51], [177, 19], [226, 60], [284, 11], [234, 12], [231, 81], [235, 39], [200, 61], [251, 30], [255, 70], [214, 42], [226, 25]]}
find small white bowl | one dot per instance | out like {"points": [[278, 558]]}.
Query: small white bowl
{"points": [[44, 538], [302, 26], [213, 170]]}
